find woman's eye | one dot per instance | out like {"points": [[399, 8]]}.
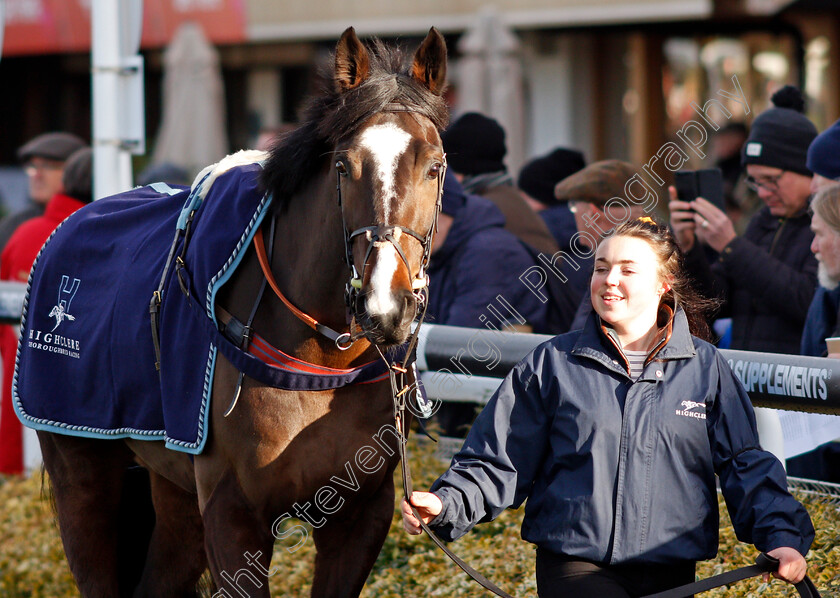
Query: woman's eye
{"points": [[341, 168]]}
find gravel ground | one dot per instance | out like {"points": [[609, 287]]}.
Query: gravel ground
{"points": [[32, 561]]}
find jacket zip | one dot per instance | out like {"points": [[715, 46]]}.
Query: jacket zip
{"points": [[777, 235], [618, 512]]}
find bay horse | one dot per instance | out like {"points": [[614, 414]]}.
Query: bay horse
{"points": [[357, 183]]}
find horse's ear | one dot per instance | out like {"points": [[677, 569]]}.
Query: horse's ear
{"points": [[352, 63], [429, 66]]}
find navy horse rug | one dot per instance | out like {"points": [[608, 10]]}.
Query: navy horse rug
{"points": [[86, 361]]}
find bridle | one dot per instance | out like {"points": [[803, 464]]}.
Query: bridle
{"points": [[399, 371], [376, 235], [379, 234]]}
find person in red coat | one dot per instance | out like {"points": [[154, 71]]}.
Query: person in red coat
{"points": [[15, 262]]}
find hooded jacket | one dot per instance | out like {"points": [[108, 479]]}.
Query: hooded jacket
{"points": [[478, 261], [616, 470]]}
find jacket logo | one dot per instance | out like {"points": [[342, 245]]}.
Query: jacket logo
{"points": [[688, 407], [66, 292]]}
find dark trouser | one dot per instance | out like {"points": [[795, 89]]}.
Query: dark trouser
{"points": [[559, 576]]}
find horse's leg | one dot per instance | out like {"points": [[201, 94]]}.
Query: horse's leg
{"points": [[347, 548], [238, 541], [87, 477], [176, 557]]}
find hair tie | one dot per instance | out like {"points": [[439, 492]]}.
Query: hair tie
{"points": [[647, 219]]}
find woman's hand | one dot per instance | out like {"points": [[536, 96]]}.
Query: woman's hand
{"points": [[792, 565], [428, 506]]}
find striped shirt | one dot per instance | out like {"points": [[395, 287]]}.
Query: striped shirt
{"points": [[636, 359]]}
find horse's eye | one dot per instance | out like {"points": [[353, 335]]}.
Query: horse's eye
{"points": [[434, 171], [341, 168]]}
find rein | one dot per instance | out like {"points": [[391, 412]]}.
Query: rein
{"points": [[376, 235], [343, 340]]}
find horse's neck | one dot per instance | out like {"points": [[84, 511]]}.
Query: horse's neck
{"points": [[308, 264]]}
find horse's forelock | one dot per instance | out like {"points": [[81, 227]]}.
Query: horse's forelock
{"points": [[331, 116]]}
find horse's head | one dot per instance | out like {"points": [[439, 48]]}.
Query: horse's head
{"points": [[389, 173]]}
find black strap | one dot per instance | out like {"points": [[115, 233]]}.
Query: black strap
{"points": [[242, 335], [478, 577], [157, 299], [400, 391], [764, 563]]}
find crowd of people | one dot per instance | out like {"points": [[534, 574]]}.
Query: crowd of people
{"points": [[632, 381]]}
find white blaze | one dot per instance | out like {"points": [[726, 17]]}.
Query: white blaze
{"points": [[380, 300], [386, 143]]}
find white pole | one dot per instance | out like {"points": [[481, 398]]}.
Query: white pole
{"points": [[770, 433], [2, 24], [116, 72]]}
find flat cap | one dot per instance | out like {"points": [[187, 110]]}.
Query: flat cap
{"points": [[51, 146], [597, 183]]}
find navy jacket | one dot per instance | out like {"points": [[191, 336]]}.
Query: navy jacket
{"points": [[561, 222], [767, 277], [821, 322], [616, 470], [479, 260]]}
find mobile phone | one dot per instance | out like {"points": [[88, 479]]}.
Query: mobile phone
{"points": [[706, 183]]}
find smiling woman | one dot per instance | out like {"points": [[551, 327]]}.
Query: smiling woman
{"points": [[626, 288], [615, 434]]}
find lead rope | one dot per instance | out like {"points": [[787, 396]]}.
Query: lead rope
{"points": [[764, 563], [400, 391]]}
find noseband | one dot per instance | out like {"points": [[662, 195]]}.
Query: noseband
{"points": [[379, 234]]}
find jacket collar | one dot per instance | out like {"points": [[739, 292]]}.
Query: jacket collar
{"points": [[673, 341], [770, 222], [61, 206]]}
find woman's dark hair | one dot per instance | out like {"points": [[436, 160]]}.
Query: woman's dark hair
{"points": [[671, 268]]}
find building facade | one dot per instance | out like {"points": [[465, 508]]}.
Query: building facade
{"points": [[613, 78]]}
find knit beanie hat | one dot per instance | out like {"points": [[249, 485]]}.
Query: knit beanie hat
{"points": [[50, 146], [780, 136], [539, 176], [78, 175], [474, 144], [824, 153]]}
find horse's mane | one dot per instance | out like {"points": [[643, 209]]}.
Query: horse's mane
{"points": [[330, 116]]}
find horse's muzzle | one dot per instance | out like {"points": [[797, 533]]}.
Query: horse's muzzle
{"points": [[391, 326]]}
